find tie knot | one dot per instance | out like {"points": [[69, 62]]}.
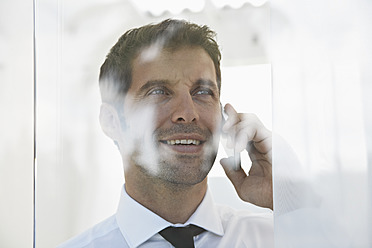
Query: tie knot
{"points": [[181, 237]]}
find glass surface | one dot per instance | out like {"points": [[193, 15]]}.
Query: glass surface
{"points": [[321, 60], [16, 123], [79, 170], [322, 105]]}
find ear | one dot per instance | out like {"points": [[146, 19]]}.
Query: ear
{"points": [[110, 122]]}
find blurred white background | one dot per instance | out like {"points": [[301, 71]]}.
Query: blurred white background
{"points": [[320, 90]]}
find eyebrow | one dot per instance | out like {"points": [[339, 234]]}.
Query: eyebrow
{"points": [[207, 82], [153, 83]]}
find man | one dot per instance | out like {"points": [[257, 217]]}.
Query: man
{"points": [[160, 87]]}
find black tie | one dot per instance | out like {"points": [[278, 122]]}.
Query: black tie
{"points": [[181, 237]]}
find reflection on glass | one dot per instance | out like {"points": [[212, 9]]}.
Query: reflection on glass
{"points": [[80, 175], [322, 142]]}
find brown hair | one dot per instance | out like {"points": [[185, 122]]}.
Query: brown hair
{"points": [[116, 72]]}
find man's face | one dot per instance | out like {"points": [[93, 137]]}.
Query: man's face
{"points": [[172, 108]]}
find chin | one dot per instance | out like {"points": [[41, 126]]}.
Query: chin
{"points": [[184, 171]]}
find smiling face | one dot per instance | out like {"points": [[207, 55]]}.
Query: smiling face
{"points": [[172, 110]]}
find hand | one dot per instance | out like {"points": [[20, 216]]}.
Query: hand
{"points": [[246, 132]]}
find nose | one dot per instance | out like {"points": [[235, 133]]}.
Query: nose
{"points": [[184, 110]]}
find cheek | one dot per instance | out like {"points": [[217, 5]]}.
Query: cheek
{"points": [[211, 118], [139, 118], [141, 115], [138, 113], [161, 115]]}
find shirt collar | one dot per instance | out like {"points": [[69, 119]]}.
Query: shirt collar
{"points": [[147, 223]]}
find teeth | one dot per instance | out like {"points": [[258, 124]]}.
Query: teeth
{"points": [[183, 142]]}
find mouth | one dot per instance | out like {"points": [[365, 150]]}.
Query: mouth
{"points": [[173, 142], [183, 145]]}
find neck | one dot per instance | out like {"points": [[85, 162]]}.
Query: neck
{"points": [[173, 202]]}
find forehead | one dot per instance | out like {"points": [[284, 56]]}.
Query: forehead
{"points": [[186, 64]]}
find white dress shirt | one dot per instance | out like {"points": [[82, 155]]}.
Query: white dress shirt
{"points": [[133, 225]]}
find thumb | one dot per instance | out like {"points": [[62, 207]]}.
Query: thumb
{"points": [[236, 176]]}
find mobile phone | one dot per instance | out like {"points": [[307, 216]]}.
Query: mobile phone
{"points": [[230, 152]]}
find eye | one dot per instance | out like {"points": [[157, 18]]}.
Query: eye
{"points": [[157, 92], [203, 92]]}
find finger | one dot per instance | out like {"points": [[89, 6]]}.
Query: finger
{"points": [[243, 137], [264, 143], [259, 133], [260, 167], [246, 136], [247, 131], [256, 155], [236, 176]]}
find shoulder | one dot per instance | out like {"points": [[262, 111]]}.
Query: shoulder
{"points": [[98, 234]]}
